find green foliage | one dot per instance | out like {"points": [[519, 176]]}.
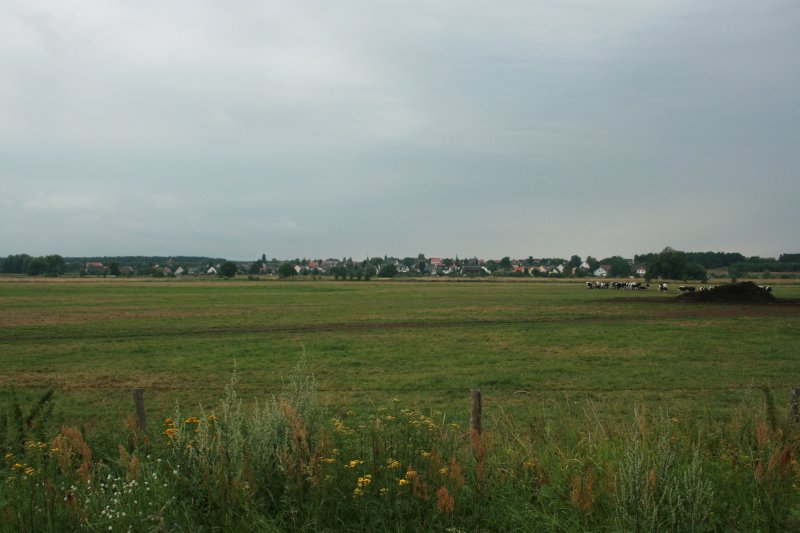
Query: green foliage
{"points": [[18, 426], [286, 270], [33, 266], [228, 269], [620, 267], [673, 264], [656, 492], [15, 264], [388, 270], [287, 464]]}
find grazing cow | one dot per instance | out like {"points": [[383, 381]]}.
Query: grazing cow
{"points": [[663, 287], [766, 288]]}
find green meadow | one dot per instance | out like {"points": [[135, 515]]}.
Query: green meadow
{"points": [[427, 343], [344, 406]]}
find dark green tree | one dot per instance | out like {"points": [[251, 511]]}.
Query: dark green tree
{"points": [[389, 270], [696, 271], [228, 269], [674, 264], [15, 264], [620, 267], [36, 266], [286, 270], [55, 264]]}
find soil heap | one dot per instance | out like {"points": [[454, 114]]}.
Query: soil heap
{"points": [[745, 292]]}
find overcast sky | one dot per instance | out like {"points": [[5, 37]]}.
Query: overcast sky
{"points": [[318, 128]]}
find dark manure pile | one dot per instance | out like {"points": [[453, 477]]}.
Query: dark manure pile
{"points": [[745, 292]]}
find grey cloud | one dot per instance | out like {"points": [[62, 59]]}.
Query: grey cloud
{"points": [[320, 128]]}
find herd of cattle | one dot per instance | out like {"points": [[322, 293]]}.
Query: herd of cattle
{"points": [[619, 285], [637, 286]]}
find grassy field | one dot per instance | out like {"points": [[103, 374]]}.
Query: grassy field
{"points": [[426, 343], [604, 410]]}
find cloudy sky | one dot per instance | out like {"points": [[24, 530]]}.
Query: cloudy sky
{"points": [[317, 128]]}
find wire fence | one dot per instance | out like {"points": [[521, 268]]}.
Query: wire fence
{"points": [[494, 394]]}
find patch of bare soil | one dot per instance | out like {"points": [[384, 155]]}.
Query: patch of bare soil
{"points": [[745, 292]]}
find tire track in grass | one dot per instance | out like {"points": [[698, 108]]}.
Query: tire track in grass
{"points": [[35, 337]]}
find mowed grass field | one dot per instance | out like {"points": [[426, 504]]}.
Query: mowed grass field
{"points": [[525, 344]]}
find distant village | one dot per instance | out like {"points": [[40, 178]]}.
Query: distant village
{"points": [[667, 264], [347, 268]]}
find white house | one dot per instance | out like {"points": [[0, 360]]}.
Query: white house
{"points": [[600, 272]]}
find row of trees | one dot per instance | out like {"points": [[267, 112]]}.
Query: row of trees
{"points": [[53, 265], [667, 264], [674, 264]]}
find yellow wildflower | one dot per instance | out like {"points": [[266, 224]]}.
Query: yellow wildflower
{"points": [[443, 470], [384, 491], [393, 463], [29, 471], [211, 418], [9, 455], [354, 463], [403, 482], [191, 420]]}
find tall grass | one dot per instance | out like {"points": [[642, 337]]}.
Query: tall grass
{"points": [[285, 464]]}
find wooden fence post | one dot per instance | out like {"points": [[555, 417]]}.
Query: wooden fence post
{"points": [[795, 416], [138, 402], [475, 413]]}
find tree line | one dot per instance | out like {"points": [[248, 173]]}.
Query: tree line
{"points": [[53, 265], [667, 264]]}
